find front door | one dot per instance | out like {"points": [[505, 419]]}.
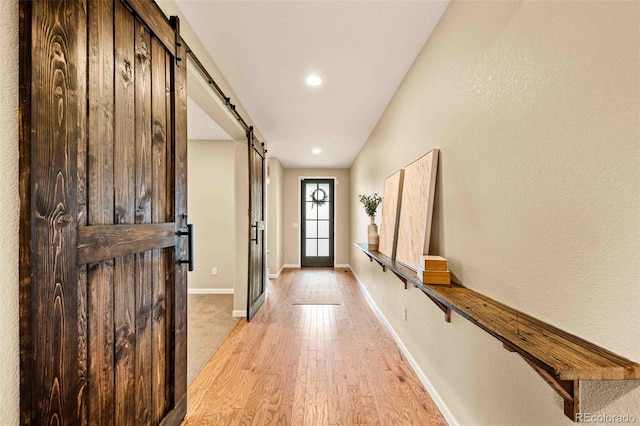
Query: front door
{"points": [[317, 222], [103, 202], [256, 291]]}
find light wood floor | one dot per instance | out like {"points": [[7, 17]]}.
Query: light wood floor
{"points": [[310, 364]]}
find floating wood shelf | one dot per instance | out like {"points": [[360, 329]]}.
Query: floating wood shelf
{"points": [[560, 358]]}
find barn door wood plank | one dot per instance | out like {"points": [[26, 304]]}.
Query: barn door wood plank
{"points": [[151, 14], [124, 192], [81, 214], [100, 210], [170, 163], [51, 68], [25, 296], [180, 211], [101, 242], [144, 291], [170, 216], [158, 214]]}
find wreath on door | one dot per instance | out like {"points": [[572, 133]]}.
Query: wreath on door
{"points": [[319, 197]]}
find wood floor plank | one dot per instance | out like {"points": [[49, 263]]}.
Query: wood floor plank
{"points": [[300, 380], [369, 411], [310, 364], [286, 407], [333, 397], [310, 390], [322, 403], [267, 403], [352, 413]]}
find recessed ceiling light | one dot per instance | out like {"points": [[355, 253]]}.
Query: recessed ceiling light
{"points": [[316, 150], [314, 80]]}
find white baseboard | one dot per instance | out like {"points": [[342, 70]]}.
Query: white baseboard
{"points": [[239, 314], [210, 291], [297, 266], [444, 409], [278, 274]]}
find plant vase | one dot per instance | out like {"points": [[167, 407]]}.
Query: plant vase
{"points": [[373, 238]]}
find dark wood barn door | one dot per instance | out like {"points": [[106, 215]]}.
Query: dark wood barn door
{"points": [[103, 187], [257, 253]]}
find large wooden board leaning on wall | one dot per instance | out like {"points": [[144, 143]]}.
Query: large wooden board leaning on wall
{"points": [[414, 228], [391, 204]]}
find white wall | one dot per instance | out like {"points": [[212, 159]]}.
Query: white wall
{"points": [[9, 211], [242, 227], [211, 183], [218, 206], [275, 218], [536, 109], [292, 209]]}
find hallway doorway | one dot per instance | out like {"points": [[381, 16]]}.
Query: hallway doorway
{"points": [[317, 218]]}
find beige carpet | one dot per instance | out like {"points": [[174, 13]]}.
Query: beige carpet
{"points": [[209, 322]]}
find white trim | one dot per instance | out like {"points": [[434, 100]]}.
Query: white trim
{"points": [[210, 291], [291, 265], [442, 406], [239, 314], [343, 265], [278, 274]]}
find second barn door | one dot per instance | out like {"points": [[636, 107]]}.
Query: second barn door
{"points": [[257, 274]]}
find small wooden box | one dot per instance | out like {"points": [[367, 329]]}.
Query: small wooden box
{"points": [[434, 277], [434, 263]]}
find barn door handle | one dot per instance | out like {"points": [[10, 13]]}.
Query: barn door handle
{"points": [[256, 238], [189, 234]]}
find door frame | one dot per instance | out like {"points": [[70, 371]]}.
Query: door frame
{"points": [[335, 216]]}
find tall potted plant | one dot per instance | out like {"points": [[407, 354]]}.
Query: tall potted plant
{"points": [[371, 203]]}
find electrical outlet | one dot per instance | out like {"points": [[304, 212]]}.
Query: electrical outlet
{"points": [[404, 314], [214, 271]]}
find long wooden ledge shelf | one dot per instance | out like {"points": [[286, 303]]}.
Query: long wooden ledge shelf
{"points": [[560, 358]]}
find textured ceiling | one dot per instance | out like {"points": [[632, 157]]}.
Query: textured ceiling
{"points": [[361, 49]]}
